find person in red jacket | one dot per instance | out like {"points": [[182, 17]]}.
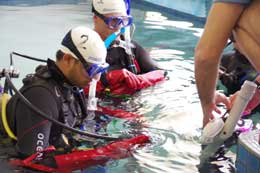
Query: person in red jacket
{"points": [[127, 73]]}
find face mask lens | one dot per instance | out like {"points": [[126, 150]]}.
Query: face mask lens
{"points": [[127, 20], [114, 22], [95, 69]]}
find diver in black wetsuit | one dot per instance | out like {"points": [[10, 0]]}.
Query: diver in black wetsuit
{"points": [[234, 70], [128, 72], [56, 90], [117, 58]]}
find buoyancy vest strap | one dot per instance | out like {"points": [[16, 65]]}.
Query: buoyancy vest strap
{"points": [[137, 66], [35, 109], [28, 162], [82, 159]]}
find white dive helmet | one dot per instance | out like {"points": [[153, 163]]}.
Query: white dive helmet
{"points": [[110, 6], [85, 45]]}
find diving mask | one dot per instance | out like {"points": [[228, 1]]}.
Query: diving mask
{"points": [[94, 70], [114, 22]]}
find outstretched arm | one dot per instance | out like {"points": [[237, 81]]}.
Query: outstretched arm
{"points": [[220, 22]]}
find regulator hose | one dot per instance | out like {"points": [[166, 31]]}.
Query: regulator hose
{"points": [[40, 113]]}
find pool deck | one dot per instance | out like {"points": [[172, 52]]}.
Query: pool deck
{"points": [[196, 10]]}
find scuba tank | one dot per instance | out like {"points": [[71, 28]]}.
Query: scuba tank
{"points": [[1, 123], [1, 97], [4, 97]]}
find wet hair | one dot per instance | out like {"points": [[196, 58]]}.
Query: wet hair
{"points": [[59, 55]]}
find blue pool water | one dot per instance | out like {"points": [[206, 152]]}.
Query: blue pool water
{"points": [[189, 8], [171, 109]]}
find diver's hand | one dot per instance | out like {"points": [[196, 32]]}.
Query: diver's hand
{"points": [[125, 82], [148, 79], [117, 80], [209, 109]]}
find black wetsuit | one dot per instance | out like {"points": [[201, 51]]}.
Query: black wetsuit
{"points": [[50, 91], [237, 69], [117, 59]]}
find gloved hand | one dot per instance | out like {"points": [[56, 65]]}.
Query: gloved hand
{"points": [[125, 82], [114, 87]]}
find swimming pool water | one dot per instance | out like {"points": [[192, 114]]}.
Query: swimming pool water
{"points": [[171, 109]]}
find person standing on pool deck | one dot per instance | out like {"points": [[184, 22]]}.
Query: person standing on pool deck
{"points": [[225, 17]]}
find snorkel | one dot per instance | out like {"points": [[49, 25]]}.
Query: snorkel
{"points": [[112, 37], [94, 73], [127, 4], [127, 36], [91, 107], [92, 100]]}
